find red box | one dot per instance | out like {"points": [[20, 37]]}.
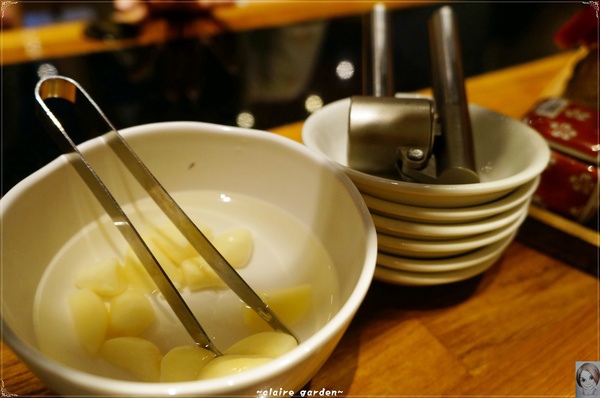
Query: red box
{"points": [[569, 185]]}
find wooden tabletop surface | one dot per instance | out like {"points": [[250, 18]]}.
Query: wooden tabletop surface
{"points": [[516, 330]]}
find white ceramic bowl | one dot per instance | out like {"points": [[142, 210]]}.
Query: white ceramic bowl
{"points": [[413, 248], [436, 265], [422, 231], [432, 215], [408, 278], [51, 216], [508, 153]]}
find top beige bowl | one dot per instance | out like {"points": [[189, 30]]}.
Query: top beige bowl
{"points": [[508, 154], [51, 225]]}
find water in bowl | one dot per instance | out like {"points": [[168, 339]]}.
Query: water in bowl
{"points": [[285, 254]]}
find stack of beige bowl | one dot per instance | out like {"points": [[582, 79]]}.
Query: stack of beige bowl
{"points": [[434, 234]]}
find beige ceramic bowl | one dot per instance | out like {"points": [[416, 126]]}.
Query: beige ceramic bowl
{"points": [[466, 261], [457, 215], [416, 248], [508, 154], [51, 220], [419, 278], [435, 232]]}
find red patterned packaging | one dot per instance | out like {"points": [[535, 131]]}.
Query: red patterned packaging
{"points": [[569, 185]]}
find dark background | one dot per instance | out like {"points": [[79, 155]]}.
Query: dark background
{"points": [[210, 81]]}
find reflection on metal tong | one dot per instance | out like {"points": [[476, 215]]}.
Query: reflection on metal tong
{"points": [[67, 89]]}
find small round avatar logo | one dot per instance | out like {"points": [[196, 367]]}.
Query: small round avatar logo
{"points": [[587, 379]]}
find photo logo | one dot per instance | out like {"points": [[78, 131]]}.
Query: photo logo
{"points": [[587, 379]]}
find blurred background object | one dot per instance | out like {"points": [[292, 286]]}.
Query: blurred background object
{"points": [[581, 31], [568, 119], [257, 65]]}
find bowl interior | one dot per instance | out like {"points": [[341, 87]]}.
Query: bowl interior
{"points": [[508, 153], [52, 220]]}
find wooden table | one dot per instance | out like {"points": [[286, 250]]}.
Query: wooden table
{"points": [[517, 330]]}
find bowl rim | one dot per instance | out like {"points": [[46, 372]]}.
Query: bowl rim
{"points": [[428, 231], [458, 245], [408, 278], [537, 166], [335, 326], [434, 215], [436, 265]]}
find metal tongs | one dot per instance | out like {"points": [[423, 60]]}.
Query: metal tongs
{"points": [[67, 89], [423, 140]]}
